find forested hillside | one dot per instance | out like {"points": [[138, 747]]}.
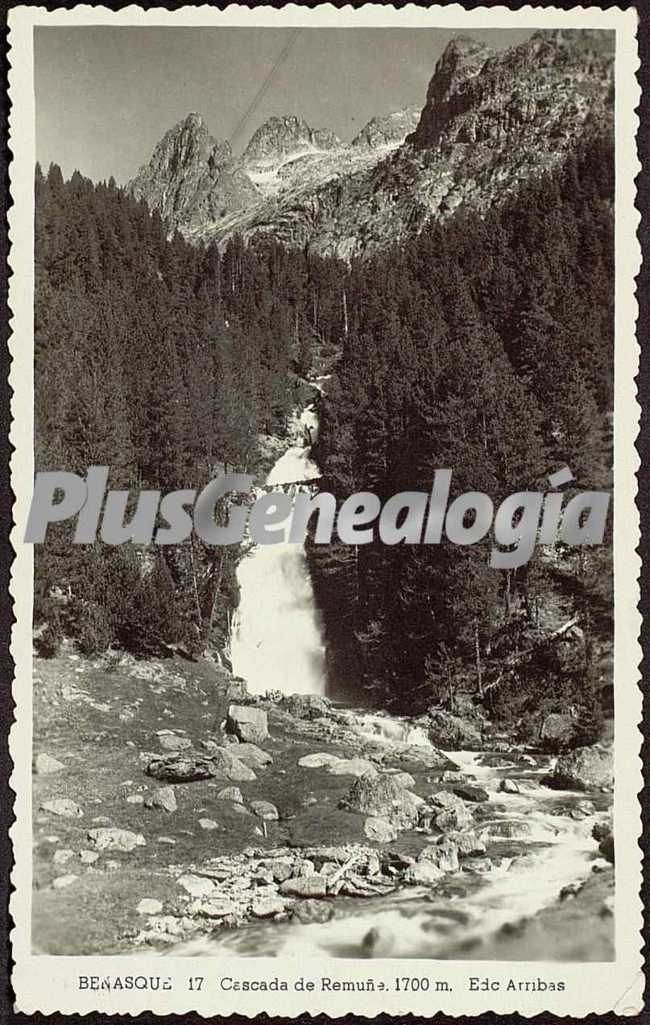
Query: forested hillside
{"points": [[164, 362], [484, 345]]}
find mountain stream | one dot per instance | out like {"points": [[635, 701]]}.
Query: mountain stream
{"points": [[533, 850]]}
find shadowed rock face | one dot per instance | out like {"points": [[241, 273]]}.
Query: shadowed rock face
{"points": [[491, 121], [192, 179], [536, 92]]}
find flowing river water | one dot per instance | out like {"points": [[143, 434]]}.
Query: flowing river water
{"points": [[534, 845]]}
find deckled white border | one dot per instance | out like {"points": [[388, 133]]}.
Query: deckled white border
{"points": [[48, 984]]}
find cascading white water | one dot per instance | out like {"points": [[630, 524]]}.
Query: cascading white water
{"points": [[276, 641], [547, 851]]}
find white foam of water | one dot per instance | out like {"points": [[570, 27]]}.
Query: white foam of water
{"points": [[276, 641], [517, 888], [413, 922], [390, 729]]}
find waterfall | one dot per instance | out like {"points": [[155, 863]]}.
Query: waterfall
{"points": [[276, 641]]}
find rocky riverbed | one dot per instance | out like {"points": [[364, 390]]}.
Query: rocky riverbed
{"points": [[174, 812]]}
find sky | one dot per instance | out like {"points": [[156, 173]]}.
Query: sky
{"points": [[105, 96]]}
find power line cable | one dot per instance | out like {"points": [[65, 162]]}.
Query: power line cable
{"points": [[263, 89]]}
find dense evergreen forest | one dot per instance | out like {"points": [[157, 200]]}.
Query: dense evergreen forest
{"points": [[483, 344], [166, 363]]}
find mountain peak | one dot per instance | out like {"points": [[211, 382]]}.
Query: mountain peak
{"points": [[192, 176], [387, 129], [478, 95], [193, 122], [283, 136], [461, 45]]}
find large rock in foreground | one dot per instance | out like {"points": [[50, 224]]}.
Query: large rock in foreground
{"points": [[385, 798], [248, 723], [181, 768], [453, 733], [586, 768], [449, 812], [558, 731], [306, 706]]}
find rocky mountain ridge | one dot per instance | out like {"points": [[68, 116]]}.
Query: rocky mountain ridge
{"points": [[282, 137], [192, 178], [491, 120]]}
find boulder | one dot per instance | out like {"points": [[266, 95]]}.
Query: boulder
{"points": [[405, 779], [443, 854], [248, 723], [352, 767], [164, 798], [237, 690], [312, 886], [44, 764], [196, 886], [379, 830], [603, 835], [467, 842], [306, 706], [265, 810], [181, 768], [209, 824], [227, 763], [318, 760], [88, 857], [383, 797], [582, 810], [423, 873], [453, 733], [508, 786], [231, 794], [601, 830], [427, 756], [470, 793], [557, 732], [586, 807], [253, 756], [570, 890], [170, 742], [279, 870], [110, 838], [64, 807], [450, 811], [268, 907], [149, 906], [217, 908], [585, 768], [606, 848], [310, 911]]}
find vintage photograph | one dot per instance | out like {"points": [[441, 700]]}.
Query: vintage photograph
{"points": [[323, 512]]}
